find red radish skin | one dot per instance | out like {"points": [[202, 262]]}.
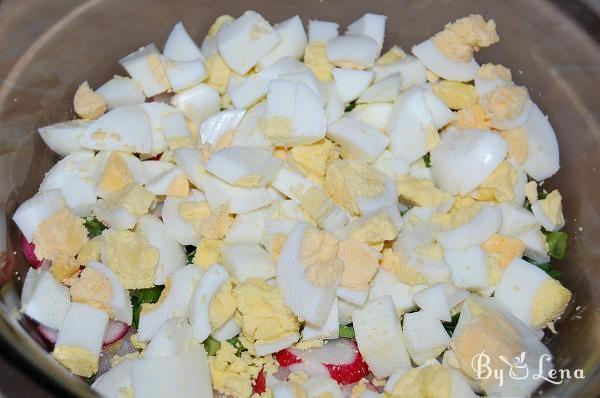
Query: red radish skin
{"points": [[157, 157], [286, 358], [349, 373], [260, 384], [29, 252], [48, 334], [115, 331]]}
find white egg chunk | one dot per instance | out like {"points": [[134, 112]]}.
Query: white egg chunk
{"points": [[197, 103], [468, 267], [121, 91], [120, 307], [319, 386], [410, 126], [116, 170], [440, 113], [387, 352], [465, 158], [244, 166], [515, 220], [321, 31], [371, 25], [507, 106], [308, 266], [240, 200], [375, 114], [31, 213], [181, 229], [172, 182], [156, 111], [352, 51], [246, 41], [350, 83], [173, 337], [203, 295], [475, 231], [531, 294], [217, 126], [74, 177], [441, 65], [79, 339], [247, 261], [125, 129], [490, 77], [434, 301], [229, 330], [176, 131], [173, 303], [542, 156], [116, 382], [292, 42], [191, 163], [122, 209], [144, 66], [385, 90], [63, 138], [250, 130], [548, 211], [411, 71], [171, 254], [182, 75], [180, 46], [386, 283], [330, 329], [44, 299], [294, 114], [358, 139], [536, 247], [307, 77], [425, 336]]}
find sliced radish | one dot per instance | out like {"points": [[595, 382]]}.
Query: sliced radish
{"points": [[29, 252], [260, 384], [49, 334], [287, 357], [347, 373], [115, 331]]}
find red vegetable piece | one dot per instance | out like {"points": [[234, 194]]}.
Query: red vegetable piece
{"points": [[260, 384], [29, 252], [286, 358]]}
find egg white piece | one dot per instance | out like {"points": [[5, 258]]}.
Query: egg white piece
{"points": [[175, 304], [197, 103], [330, 329], [411, 71], [375, 114], [234, 164], [250, 130], [292, 42], [300, 107], [191, 163], [240, 200], [468, 266], [184, 375], [419, 170], [358, 138], [31, 213], [112, 383], [386, 283], [515, 220], [542, 157], [546, 222], [84, 326], [229, 330], [352, 50], [350, 83], [121, 91], [249, 228], [63, 138], [408, 123], [74, 177], [156, 111], [354, 296], [536, 247], [134, 167], [172, 338], [263, 349], [434, 301], [321, 31], [144, 67], [44, 299], [385, 90], [307, 77], [425, 336], [246, 261], [205, 291], [319, 386], [475, 232], [176, 131], [155, 168], [125, 129], [386, 201], [296, 287], [184, 232], [438, 63], [184, 74], [162, 183], [386, 353], [214, 127], [371, 25], [440, 113], [172, 255], [246, 41], [335, 108], [465, 158], [180, 46], [120, 302]]}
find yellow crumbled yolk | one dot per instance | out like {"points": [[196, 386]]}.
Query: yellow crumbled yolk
{"points": [[179, 187], [261, 313], [248, 181], [507, 248], [65, 270], [395, 263], [315, 202], [456, 95], [498, 186], [347, 180], [473, 117], [78, 360], [278, 129], [87, 103], [208, 252], [59, 236], [374, 229], [492, 71], [505, 103], [549, 302], [92, 288], [134, 198], [318, 253], [461, 38], [531, 191], [315, 58], [218, 73], [360, 263], [90, 251], [223, 305], [518, 146], [431, 381], [457, 216], [277, 242], [419, 191], [313, 159], [392, 55], [551, 206], [209, 225], [130, 257], [433, 250]]}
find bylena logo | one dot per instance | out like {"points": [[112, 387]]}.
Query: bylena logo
{"points": [[519, 369]]}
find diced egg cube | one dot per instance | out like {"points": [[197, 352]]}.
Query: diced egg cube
{"points": [[204, 293], [192, 164], [352, 51], [144, 66], [292, 43], [121, 91], [63, 138], [425, 336], [172, 182], [176, 131], [184, 74], [180, 46], [120, 302], [321, 31], [441, 65], [197, 103], [244, 166], [357, 138], [350, 83], [31, 213], [216, 126], [542, 157], [245, 261], [385, 90], [371, 25], [44, 299], [240, 200]]}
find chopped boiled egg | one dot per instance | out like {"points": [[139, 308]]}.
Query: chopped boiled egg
{"points": [[371, 25], [246, 167], [357, 139], [180, 46], [121, 91], [122, 209], [548, 211], [87, 103], [144, 66], [63, 138], [44, 299], [352, 51], [292, 42]]}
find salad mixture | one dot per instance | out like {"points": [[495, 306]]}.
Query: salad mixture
{"points": [[278, 214]]}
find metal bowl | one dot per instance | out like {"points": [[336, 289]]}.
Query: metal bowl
{"points": [[49, 47]]}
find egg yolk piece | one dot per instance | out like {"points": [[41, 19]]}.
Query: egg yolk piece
{"points": [[60, 235], [461, 38]]}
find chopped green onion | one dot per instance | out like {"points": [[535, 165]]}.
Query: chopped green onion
{"points": [[347, 331], [427, 159], [93, 226], [350, 106], [450, 326], [143, 296], [557, 244], [211, 345], [235, 341]]}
